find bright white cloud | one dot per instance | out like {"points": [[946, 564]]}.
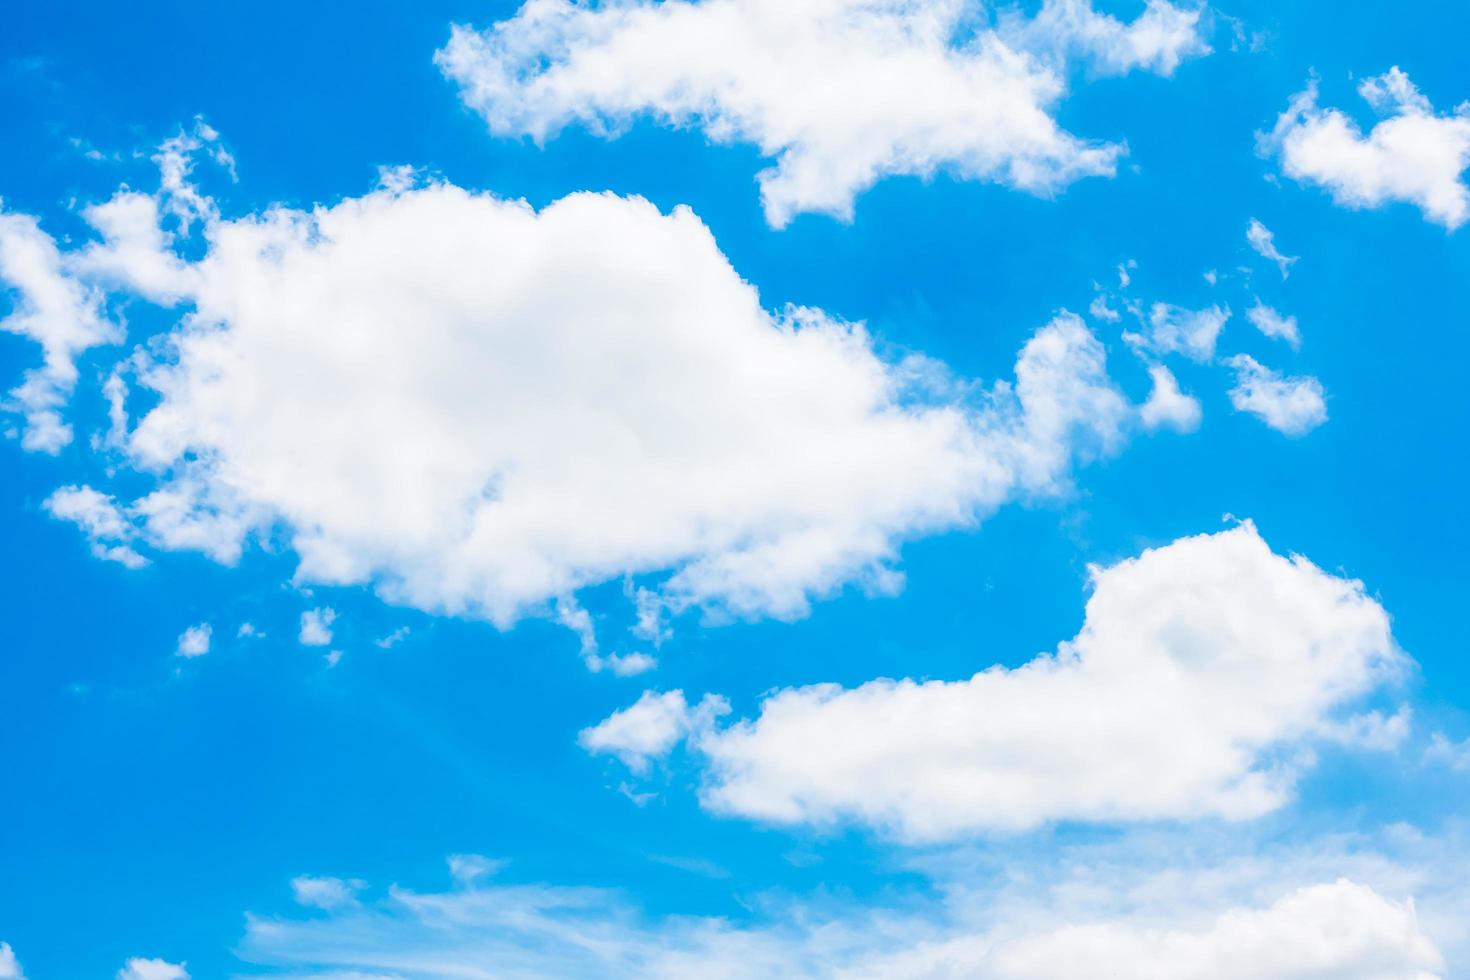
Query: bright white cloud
{"points": [[1159, 40], [481, 408], [9, 965], [194, 641], [1290, 405], [1413, 155], [1342, 930], [1167, 406], [1264, 242], [138, 968], [325, 893], [652, 727], [1203, 673], [107, 528], [1176, 330], [316, 627], [1162, 929], [1273, 324], [840, 93], [58, 313]]}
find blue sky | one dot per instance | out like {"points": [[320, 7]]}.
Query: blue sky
{"points": [[522, 453]]}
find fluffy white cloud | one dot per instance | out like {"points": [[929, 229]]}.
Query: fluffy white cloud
{"points": [[1203, 673], [1175, 330], [9, 965], [841, 93], [1412, 155], [1161, 930], [1167, 406], [651, 727], [1291, 405], [1162, 37], [316, 627], [194, 641], [1273, 324], [325, 893], [107, 528], [1264, 242], [481, 408], [58, 313], [138, 968]]}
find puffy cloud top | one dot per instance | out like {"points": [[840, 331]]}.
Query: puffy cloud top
{"points": [[840, 92]]}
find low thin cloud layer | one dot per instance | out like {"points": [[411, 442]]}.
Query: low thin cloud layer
{"points": [[839, 93], [480, 408], [1203, 673], [1163, 923], [1413, 155]]}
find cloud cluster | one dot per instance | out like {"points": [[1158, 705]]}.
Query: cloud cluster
{"points": [[59, 313], [840, 93], [1413, 154], [481, 408], [1201, 676]]}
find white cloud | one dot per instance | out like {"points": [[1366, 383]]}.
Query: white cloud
{"points": [[1176, 330], [1454, 755], [1264, 242], [392, 639], [107, 528], [59, 314], [480, 409], [840, 93], [630, 664], [1342, 931], [1203, 673], [316, 627], [1167, 406], [1273, 324], [1162, 37], [651, 727], [1412, 155], [1160, 929], [1291, 405], [1100, 309], [9, 965], [470, 868], [194, 641], [325, 893], [138, 968]]}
